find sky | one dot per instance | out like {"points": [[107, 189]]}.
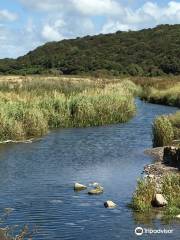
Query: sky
{"points": [[26, 24]]}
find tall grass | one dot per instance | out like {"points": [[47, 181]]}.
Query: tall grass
{"points": [[166, 91], [175, 121], [170, 189], [160, 90], [163, 133], [30, 108], [166, 129], [143, 195]]}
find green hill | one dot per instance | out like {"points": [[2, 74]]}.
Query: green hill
{"points": [[148, 52]]}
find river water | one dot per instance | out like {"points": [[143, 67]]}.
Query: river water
{"points": [[36, 180]]}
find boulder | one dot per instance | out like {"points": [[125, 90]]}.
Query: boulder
{"points": [[178, 216], [97, 190], [79, 187], [159, 200], [171, 156], [109, 204]]}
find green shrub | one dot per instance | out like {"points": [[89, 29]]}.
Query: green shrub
{"points": [[143, 195], [162, 132], [170, 189]]}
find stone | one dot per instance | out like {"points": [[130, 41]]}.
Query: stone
{"points": [[110, 204], [159, 200], [97, 190], [178, 216], [79, 187], [151, 176], [94, 184], [171, 156]]}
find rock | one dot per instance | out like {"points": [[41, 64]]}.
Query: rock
{"points": [[178, 216], [151, 176], [94, 184], [97, 190], [109, 204], [171, 156], [79, 187], [159, 200]]}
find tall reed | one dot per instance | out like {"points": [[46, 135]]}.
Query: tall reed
{"points": [[29, 109]]}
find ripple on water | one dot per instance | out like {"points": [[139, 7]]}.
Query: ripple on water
{"points": [[56, 201], [37, 179]]}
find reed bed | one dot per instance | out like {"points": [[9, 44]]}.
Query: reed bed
{"points": [[161, 90], [166, 91], [30, 108], [166, 129], [169, 97]]}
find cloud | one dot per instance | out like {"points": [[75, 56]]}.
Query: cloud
{"points": [[114, 26], [6, 15], [151, 12], [47, 5], [51, 33], [148, 15], [54, 20], [97, 7], [85, 7]]}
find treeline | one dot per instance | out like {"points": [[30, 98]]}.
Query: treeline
{"points": [[148, 52]]}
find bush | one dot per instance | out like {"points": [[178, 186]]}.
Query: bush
{"points": [[135, 70], [143, 195], [170, 189], [163, 133]]}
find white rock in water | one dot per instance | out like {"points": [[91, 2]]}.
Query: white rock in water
{"points": [[178, 216], [159, 200], [96, 191], [110, 204], [94, 184], [79, 187]]}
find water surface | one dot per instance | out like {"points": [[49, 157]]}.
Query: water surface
{"points": [[37, 180]]}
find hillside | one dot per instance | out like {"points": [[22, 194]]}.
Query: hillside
{"points": [[148, 52]]}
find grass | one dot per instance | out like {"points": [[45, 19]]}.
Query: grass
{"points": [[32, 106], [163, 133], [164, 91], [166, 129], [144, 193]]}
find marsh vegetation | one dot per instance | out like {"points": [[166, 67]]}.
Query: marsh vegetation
{"points": [[165, 91], [32, 106]]}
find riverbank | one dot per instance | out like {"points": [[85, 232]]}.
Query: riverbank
{"points": [[161, 178], [31, 107], [165, 91]]}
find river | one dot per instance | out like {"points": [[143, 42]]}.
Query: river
{"points": [[36, 180]]}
